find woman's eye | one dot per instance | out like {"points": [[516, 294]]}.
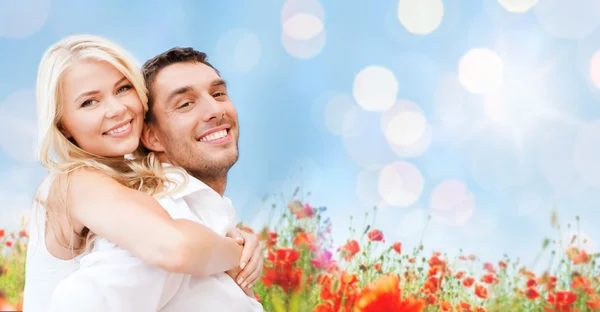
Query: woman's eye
{"points": [[88, 103], [218, 94]]}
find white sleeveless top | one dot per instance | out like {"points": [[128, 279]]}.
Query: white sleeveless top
{"points": [[43, 271]]}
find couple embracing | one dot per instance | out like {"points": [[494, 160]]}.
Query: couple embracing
{"points": [[131, 216]]}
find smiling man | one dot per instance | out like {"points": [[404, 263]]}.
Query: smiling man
{"points": [[191, 122]]}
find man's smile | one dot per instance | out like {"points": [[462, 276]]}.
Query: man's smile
{"points": [[216, 135]]}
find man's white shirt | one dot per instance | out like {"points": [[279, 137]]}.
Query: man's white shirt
{"points": [[111, 279]]}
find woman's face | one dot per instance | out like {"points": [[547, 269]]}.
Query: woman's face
{"points": [[102, 112]]}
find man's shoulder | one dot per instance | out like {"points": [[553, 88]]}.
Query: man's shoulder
{"points": [[166, 201], [177, 209]]}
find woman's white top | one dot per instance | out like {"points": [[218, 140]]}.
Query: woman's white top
{"points": [[43, 271]]}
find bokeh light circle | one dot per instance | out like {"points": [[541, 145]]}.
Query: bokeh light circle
{"points": [[594, 69], [375, 88], [303, 26], [303, 29], [420, 16], [517, 6], [480, 71], [406, 129], [452, 203], [400, 184]]}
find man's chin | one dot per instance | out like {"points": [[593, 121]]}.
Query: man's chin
{"points": [[223, 162]]}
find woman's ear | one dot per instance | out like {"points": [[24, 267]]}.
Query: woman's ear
{"points": [[65, 132], [151, 140]]}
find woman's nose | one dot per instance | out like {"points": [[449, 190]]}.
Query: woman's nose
{"points": [[114, 108]]}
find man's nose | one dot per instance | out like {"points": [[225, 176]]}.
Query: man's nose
{"points": [[114, 107], [212, 109]]}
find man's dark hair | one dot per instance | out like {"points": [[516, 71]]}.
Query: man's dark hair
{"points": [[174, 55]]}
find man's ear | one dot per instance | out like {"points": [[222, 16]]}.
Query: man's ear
{"points": [[150, 139]]}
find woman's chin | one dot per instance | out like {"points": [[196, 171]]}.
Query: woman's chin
{"points": [[118, 151]]}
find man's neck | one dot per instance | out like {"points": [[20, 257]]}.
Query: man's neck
{"points": [[218, 184]]}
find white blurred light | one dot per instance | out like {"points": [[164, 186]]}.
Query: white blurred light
{"points": [[494, 108], [517, 6], [366, 187], [304, 49], [452, 203], [293, 7], [420, 16], [400, 184], [594, 69], [587, 153], [21, 19], [303, 26], [519, 105], [239, 50], [364, 142], [18, 131], [414, 150], [406, 129], [340, 113], [454, 112], [375, 88], [303, 33], [573, 19], [480, 71]]}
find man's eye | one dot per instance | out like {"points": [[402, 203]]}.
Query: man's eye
{"points": [[124, 88], [218, 94], [184, 105]]}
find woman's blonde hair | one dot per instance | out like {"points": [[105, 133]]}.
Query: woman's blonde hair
{"points": [[62, 156]]}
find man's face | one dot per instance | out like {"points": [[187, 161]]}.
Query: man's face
{"points": [[195, 123]]}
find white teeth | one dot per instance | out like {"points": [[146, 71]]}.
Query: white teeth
{"points": [[119, 130], [214, 136]]}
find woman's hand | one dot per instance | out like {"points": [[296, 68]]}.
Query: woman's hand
{"points": [[251, 262]]}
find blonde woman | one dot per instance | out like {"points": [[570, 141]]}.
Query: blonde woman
{"points": [[91, 102]]}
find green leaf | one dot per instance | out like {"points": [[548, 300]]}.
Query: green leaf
{"points": [[294, 305], [278, 304]]}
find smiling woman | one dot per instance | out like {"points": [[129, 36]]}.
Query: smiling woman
{"points": [[107, 120]]}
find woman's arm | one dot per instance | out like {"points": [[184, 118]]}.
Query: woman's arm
{"points": [[136, 222]]}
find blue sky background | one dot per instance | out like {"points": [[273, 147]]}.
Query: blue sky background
{"points": [[512, 153]]}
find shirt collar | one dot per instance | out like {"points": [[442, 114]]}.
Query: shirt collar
{"points": [[192, 186]]}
